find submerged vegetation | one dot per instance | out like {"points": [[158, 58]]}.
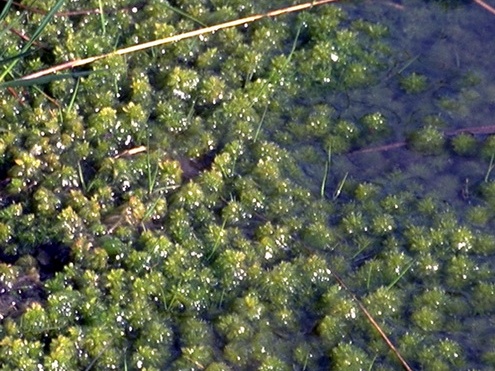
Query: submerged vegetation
{"points": [[187, 207]]}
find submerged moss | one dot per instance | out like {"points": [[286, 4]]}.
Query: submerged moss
{"points": [[464, 144], [414, 83], [428, 140], [214, 245]]}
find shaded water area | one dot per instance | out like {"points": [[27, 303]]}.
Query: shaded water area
{"points": [[191, 206]]}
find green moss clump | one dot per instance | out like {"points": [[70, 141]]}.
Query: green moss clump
{"points": [[484, 244], [215, 248], [444, 355], [464, 144], [488, 147], [273, 363], [487, 190], [428, 319], [414, 83], [428, 140], [462, 239], [217, 366], [383, 224], [5, 233], [330, 330], [350, 357], [318, 236], [366, 191], [23, 353], [375, 124], [354, 223], [484, 298], [461, 272], [63, 353], [479, 215]]}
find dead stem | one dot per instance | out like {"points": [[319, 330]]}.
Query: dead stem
{"points": [[171, 39], [374, 323], [476, 130], [485, 6]]}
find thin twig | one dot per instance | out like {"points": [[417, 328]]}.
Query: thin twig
{"points": [[171, 39], [474, 130], [485, 6], [374, 323], [131, 152]]}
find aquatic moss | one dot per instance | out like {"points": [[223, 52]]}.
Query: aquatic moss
{"points": [[488, 147], [464, 144], [428, 140], [20, 353], [230, 265], [196, 339], [354, 223], [479, 215], [484, 244], [462, 272], [63, 353], [350, 357], [414, 83], [483, 296], [383, 224], [442, 356]]}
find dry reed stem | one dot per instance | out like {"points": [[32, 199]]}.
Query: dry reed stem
{"points": [[171, 39], [485, 6], [374, 323], [131, 152]]}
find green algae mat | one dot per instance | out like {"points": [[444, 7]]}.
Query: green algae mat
{"points": [[233, 201]]}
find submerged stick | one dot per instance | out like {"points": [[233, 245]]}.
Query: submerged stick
{"points": [[171, 39], [485, 6], [475, 130], [374, 323]]}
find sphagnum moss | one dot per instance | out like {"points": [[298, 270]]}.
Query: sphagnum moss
{"points": [[198, 270]]}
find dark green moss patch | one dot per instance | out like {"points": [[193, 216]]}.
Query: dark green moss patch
{"points": [[186, 207]]}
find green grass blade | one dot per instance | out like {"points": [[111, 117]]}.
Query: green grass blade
{"points": [[184, 14], [73, 98], [394, 282], [3, 15], [34, 37], [81, 176], [45, 79], [258, 129], [490, 168], [102, 18], [150, 210], [152, 174], [43, 24], [327, 171], [5, 10], [17, 56], [338, 191]]}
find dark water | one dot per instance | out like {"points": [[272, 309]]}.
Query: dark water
{"points": [[450, 45]]}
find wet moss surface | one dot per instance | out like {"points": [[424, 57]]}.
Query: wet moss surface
{"points": [[186, 207]]}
